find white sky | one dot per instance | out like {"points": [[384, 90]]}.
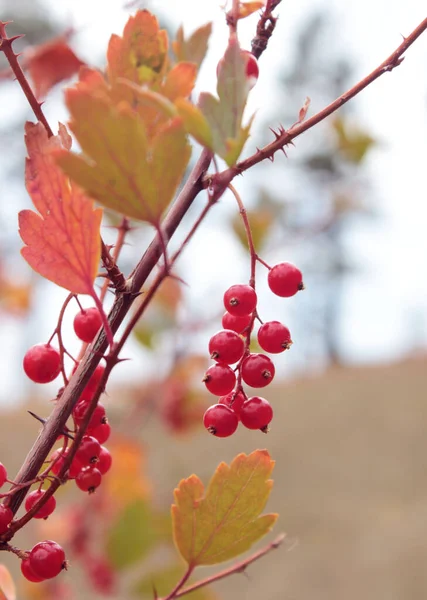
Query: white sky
{"points": [[394, 109]]}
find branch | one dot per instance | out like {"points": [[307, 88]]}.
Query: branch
{"points": [[239, 567], [265, 28], [64, 406], [6, 48], [218, 182]]}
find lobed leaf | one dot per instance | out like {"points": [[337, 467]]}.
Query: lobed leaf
{"points": [[221, 524], [62, 243], [120, 167], [141, 54], [194, 48]]}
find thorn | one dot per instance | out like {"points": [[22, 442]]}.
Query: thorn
{"points": [[15, 37], [284, 151], [271, 158], [275, 133], [43, 422]]}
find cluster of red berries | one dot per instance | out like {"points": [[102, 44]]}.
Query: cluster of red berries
{"points": [[42, 364], [231, 346]]}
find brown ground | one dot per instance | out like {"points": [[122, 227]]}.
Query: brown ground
{"points": [[350, 484]]}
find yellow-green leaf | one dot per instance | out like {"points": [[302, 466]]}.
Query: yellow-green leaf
{"points": [[194, 48], [221, 524], [141, 54], [120, 167], [195, 122]]}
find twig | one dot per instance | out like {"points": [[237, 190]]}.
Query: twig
{"points": [[218, 182], [239, 567], [265, 28], [6, 48]]}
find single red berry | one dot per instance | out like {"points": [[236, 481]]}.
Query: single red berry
{"points": [[256, 413], [89, 479], [240, 300], [257, 370], [28, 572], [220, 420], [87, 323], [237, 324], [6, 516], [274, 337], [47, 508], [100, 432], [233, 401], [252, 68], [3, 474], [47, 559], [219, 379], [101, 575], [42, 363], [58, 457], [226, 346], [105, 461], [285, 280], [80, 410], [88, 451]]}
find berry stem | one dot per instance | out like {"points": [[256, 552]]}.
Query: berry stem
{"points": [[239, 567], [105, 322], [248, 231], [12, 58], [58, 333]]}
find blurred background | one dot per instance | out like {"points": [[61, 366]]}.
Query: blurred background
{"points": [[348, 207]]}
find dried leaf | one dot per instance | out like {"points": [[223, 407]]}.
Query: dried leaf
{"points": [[248, 8], [63, 241], [7, 585], [303, 110], [120, 167], [221, 524], [141, 54], [51, 63], [195, 47]]}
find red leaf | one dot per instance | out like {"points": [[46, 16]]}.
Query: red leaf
{"points": [[63, 241], [51, 63]]}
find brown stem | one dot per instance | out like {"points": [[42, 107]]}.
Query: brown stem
{"points": [[265, 28], [239, 567], [284, 137], [175, 592], [6, 47], [63, 407]]}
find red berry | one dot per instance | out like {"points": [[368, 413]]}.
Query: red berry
{"points": [[87, 323], [274, 337], [257, 370], [47, 559], [42, 363], [101, 575], [6, 516], [105, 461], [220, 420], [226, 346], [88, 451], [47, 508], [100, 432], [28, 572], [233, 401], [219, 379], [240, 300], [89, 479], [3, 474], [58, 457], [237, 324], [285, 280], [80, 410], [252, 69], [256, 413]]}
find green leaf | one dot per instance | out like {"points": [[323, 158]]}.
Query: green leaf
{"points": [[131, 536], [194, 48], [223, 523]]}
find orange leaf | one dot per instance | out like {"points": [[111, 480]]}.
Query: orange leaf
{"points": [[194, 48], [141, 54], [63, 241], [180, 81], [221, 524], [51, 63], [247, 8], [7, 585]]}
